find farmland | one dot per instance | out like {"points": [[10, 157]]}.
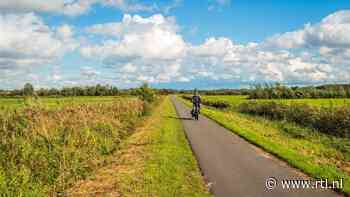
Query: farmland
{"points": [[135, 145], [321, 102], [20, 102]]}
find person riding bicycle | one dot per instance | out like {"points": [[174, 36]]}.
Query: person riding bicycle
{"points": [[196, 101]]}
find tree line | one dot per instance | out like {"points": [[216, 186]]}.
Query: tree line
{"points": [[278, 91], [97, 90], [261, 91], [145, 92]]}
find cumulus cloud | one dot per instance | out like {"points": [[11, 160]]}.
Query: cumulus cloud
{"points": [[328, 41], [149, 44], [129, 6], [213, 47], [252, 63], [28, 44], [70, 7], [332, 31], [152, 49], [25, 40]]}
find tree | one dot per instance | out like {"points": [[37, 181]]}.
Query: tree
{"points": [[28, 89], [146, 93]]}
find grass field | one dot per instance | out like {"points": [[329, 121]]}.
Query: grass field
{"points": [[17, 103], [155, 161], [236, 100], [318, 155]]}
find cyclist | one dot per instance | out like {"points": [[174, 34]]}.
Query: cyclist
{"points": [[196, 100]]}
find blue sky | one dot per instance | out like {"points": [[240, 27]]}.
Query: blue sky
{"points": [[173, 43]]}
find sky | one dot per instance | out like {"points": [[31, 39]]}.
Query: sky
{"points": [[185, 44]]}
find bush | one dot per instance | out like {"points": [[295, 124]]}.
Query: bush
{"points": [[278, 91], [216, 104], [329, 120], [145, 93]]}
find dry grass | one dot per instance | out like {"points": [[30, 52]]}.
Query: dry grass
{"points": [[44, 151], [128, 161]]}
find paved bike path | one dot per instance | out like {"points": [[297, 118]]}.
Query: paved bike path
{"points": [[232, 166]]}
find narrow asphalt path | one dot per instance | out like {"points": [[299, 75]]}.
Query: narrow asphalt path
{"points": [[234, 167]]}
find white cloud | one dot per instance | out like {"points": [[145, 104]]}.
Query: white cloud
{"points": [[55, 73], [213, 47], [332, 31], [89, 72], [70, 7], [129, 6], [26, 41], [141, 49], [152, 49], [136, 25], [129, 68], [328, 41], [107, 29], [65, 32], [27, 45]]}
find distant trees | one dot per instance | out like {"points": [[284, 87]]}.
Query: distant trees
{"points": [[278, 91], [260, 91], [98, 90], [216, 92]]}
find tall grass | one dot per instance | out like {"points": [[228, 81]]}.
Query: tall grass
{"points": [[330, 120], [43, 151]]}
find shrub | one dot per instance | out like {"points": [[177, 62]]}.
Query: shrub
{"points": [[330, 120], [277, 91], [216, 104], [146, 94]]}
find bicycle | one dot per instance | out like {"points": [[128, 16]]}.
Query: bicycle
{"points": [[195, 113]]}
